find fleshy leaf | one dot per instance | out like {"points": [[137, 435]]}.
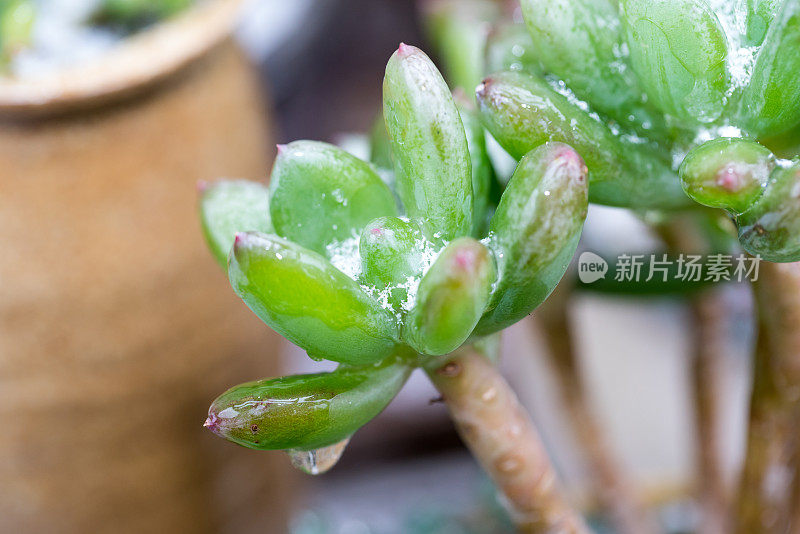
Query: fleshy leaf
{"points": [[380, 146], [434, 173], [760, 16], [482, 170], [771, 228], [510, 47], [522, 112], [678, 50], [303, 297], [535, 231], [580, 41], [770, 104], [134, 14], [392, 254], [458, 30], [727, 173], [306, 411], [231, 206], [17, 18], [321, 195], [451, 298]]}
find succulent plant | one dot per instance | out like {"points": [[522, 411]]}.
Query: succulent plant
{"points": [[131, 15], [636, 86], [16, 26], [381, 280]]}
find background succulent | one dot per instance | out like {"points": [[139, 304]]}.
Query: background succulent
{"points": [[636, 85], [16, 27]]}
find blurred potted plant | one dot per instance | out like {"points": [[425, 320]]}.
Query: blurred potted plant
{"points": [[114, 331]]}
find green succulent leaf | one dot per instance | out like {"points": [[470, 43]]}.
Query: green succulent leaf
{"points": [[760, 15], [770, 103], [134, 14], [510, 47], [321, 195], [580, 42], [785, 145], [771, 227], [306, 411], [727, 173], [522, 112], [231, 206], [535, 231], [482, 170], [392, 253], [17, 18], [307, 300], [458, 30], [380, 146], [451, 298], [678, 50], [434, 172]]}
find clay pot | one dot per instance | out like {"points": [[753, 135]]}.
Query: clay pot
{"points": [[117, 328]]}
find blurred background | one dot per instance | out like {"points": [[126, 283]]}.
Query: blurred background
{"points": [[117, 329]]}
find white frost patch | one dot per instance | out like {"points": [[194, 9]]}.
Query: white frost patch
{"points": [[427, 253], [345, 257]]}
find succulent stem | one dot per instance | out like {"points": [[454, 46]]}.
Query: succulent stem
{"points": [[611, 483], [709, 324], [501, 436], [762, 502], [708, 318]]}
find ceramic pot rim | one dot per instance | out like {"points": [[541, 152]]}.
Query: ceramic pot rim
{"points": [[137, 62]]}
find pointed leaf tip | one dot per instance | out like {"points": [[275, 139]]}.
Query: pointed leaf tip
{"points": [[211, 423]]}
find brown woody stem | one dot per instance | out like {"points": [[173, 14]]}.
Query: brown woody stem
{"points": [[710, 334], [611, 484], [709, 323], [764, 503], [501, 436]]}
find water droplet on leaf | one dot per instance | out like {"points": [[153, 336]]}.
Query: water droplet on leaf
{"points": [[318, 461]]}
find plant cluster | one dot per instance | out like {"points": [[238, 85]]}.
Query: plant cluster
{"points": [[332, 263]]}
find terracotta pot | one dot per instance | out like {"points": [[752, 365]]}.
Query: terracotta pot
{"points": [[117, 328]]}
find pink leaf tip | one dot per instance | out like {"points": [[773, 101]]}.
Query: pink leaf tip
{"points": [[730, 178], [404, 50], [211, 422], [281, 149], [465, 259], [572, 160]]}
